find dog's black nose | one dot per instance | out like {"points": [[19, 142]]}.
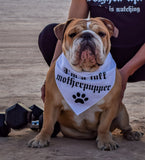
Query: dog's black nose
{"points": [[86, 35]]}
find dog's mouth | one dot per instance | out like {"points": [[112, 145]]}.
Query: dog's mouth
{"points": [[87, 56], [87, 46]]}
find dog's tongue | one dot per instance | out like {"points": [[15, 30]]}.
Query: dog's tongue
{"points": [[87, 57], [86, 54]]}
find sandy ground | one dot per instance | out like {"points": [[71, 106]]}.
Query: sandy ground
{"points": [[22, 72]]}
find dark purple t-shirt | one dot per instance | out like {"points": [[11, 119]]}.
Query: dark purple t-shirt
{"points": [[127, 15]]}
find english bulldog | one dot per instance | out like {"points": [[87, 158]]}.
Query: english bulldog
{"points": [[86, 46]]}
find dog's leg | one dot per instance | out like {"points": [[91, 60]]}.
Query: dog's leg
{"points": [[50, 116], [104, 138], [122, 122]]}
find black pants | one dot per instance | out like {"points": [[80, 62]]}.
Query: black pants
{"points": [[47, 42]]}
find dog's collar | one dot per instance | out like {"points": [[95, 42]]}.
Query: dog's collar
{"points": [[81, 90]]}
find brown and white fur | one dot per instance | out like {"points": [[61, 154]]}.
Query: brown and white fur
{"points": [[102, 118]]}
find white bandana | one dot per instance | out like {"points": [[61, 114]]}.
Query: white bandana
{"points": [[81, 90]]}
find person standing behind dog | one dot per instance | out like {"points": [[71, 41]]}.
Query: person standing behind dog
{"points": [[128, 50]]}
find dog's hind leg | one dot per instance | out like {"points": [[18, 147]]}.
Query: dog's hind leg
{"points": [[122, 123]]}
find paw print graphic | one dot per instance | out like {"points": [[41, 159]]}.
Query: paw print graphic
{"points": [[80, 98]]}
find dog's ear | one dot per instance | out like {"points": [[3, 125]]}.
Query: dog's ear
{"points": [[111, 27], [60, 29]]}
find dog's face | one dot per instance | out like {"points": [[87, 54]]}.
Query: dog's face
{"points": [[86, 42]]}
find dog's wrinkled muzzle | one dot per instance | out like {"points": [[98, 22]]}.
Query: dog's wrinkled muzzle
{"points": [[87, 52]]}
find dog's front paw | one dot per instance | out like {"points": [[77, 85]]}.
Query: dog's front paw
{"points": [[132, 135], [38, 142], [107, 146]]}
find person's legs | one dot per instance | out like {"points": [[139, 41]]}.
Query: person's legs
{"points": [[139, 75], [122, 56], [47, 42]]}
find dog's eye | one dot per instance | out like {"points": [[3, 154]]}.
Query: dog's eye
{"points": [[72, 35], [102, 34]]}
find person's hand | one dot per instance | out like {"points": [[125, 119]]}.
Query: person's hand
{"points": [[124, 77], [43, 92]]}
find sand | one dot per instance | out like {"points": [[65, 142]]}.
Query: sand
{"points": [[22, 73]]}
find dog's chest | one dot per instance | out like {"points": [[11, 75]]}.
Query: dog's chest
{"points": [[87, 116]]}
